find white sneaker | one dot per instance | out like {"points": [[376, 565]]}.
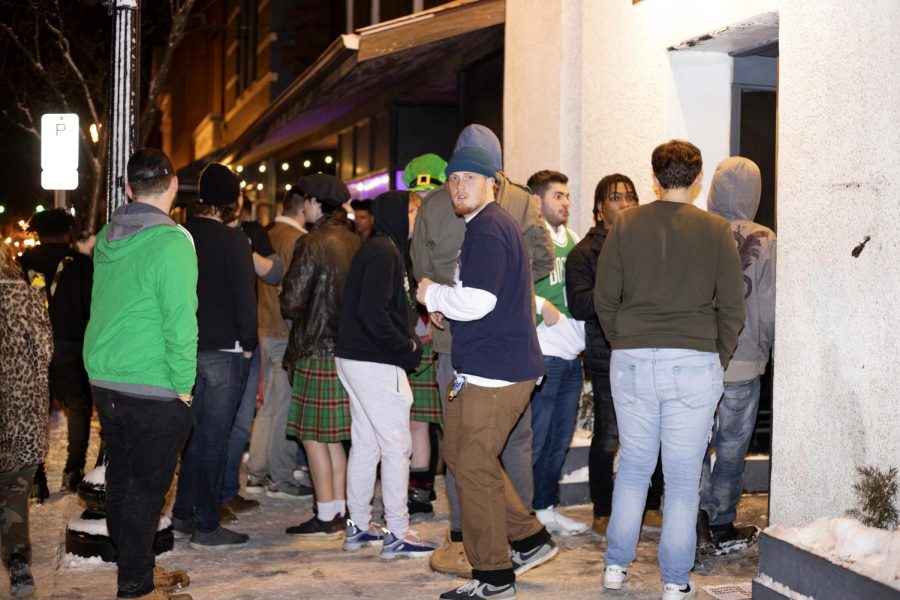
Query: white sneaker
{"points": [[556, 522], [674, 591], [614, 577]]}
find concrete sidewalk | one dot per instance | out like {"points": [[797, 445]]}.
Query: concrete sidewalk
{"points": [[274, 566]]}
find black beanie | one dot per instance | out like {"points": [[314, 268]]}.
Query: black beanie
{"points": [[218, 185]]}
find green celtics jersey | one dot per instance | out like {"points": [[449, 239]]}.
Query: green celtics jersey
{"points": [[553, 287]]}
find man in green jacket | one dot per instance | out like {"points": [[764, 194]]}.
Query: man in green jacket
{"points": [[140, 353]]}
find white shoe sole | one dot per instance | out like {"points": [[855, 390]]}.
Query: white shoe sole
{"points": [[286, 495], [405, 555], [616, 584], [529, 566]]}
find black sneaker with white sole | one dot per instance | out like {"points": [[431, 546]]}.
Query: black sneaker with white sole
{"points": [[315, 528], [480, 589], [728, 539]]}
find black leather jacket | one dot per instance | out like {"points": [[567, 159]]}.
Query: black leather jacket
{"points": [[581, 272], [313, 287]]}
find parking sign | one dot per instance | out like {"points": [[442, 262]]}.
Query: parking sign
{"points": [[59, 151]]}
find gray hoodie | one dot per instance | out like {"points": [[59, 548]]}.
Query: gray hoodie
{"points": [[734, 196]]}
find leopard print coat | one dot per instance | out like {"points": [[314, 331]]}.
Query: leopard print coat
{"points": [[26, 345]]}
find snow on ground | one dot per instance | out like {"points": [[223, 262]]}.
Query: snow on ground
{"points": [[274, 566], [868, 551]]}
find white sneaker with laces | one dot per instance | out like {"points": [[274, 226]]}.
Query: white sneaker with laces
{"points": [[556, 522], [614, 577], [677, 591]]}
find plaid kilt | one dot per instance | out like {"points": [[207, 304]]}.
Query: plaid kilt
{"points": [[426, 407], [320, 407]]}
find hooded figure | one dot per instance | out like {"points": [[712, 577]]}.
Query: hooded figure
{"points": [[378, 310], [376, 345], [734, 196]]}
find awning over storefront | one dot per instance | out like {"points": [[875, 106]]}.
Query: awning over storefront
{"points": [[363, 71]]}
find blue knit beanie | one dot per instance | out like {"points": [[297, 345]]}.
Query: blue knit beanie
{"points": [[473, 160]]}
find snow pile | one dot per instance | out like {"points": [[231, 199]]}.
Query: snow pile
{"points": [[96, 477], [872, 552], [98, 526], [73, 561]]}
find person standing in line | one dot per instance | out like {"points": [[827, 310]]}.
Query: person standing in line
{"points": [[554, 404], [140, 352], [435, 248], [26, 345], [377, 345], [269, 269], [311, 295], [226, 317], [67, 279], [363, 218], [734, 196], [422, 175], [273, 455], [670, 299], [613, 194], [498, 360]]}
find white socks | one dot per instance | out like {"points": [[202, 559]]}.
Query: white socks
{"points": [[329, 510]]}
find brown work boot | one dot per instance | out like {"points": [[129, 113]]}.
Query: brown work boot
{"points": [[653, 518], [451, 559], [239, 504], [158, 594], [600, 524], [226, 516], [170, 581]]}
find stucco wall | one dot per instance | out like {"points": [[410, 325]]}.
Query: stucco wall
{"points": [[836, 388], [590, 88], [837, 403]]}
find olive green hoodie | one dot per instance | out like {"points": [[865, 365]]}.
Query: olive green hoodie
{"points": [[141, 339]]}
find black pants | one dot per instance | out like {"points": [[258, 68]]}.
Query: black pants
{"points": [[69, 384], [603, 452], [143, 440]]}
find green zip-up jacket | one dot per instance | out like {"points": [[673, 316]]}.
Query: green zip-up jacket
{"points": [[141, 339]]}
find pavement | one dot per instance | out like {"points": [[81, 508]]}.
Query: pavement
{"points": [[275, 566]]}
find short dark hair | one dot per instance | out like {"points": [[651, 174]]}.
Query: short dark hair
{"points": [[676, 164], [149, 171], [607, 183], [292, 201], [540, 181]]}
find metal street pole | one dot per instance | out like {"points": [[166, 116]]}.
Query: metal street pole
{"points": [[124, 97]]}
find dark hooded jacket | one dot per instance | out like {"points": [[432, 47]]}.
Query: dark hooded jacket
{"points": [[581, 273], [68, 275], [378, 310], [313, 287]]}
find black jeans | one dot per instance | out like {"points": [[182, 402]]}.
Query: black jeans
{"points": [[69, 384], [143, 439], [603, 452]]}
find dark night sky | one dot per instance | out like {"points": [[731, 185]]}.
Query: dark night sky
{"points": [[88, 25]]}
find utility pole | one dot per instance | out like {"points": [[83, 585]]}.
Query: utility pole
{"points": [[124, 97]]}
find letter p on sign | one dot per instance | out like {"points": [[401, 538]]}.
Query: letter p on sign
{"points": [[59, 152]]}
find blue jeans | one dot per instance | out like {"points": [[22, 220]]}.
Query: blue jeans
{"points": [[721, 485], [664, 397], [217, 393], [554, 408], [240, 431]]}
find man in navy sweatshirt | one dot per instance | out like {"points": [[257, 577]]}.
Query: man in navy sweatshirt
{"points": [[497, 360]]}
